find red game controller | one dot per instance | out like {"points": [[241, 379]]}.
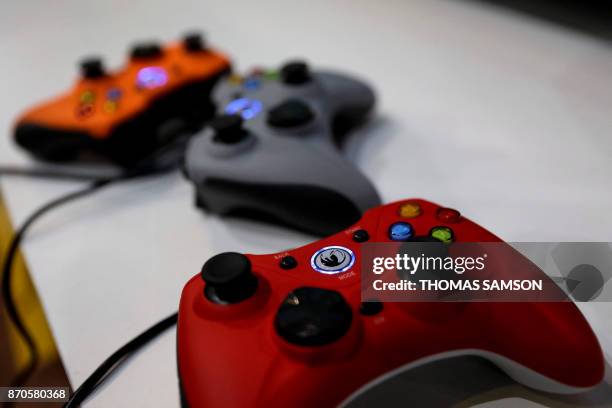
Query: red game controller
{"points": [[290, 329], [126, 115]]}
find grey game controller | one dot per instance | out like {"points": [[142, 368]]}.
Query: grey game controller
{"points": [[274, 151]]}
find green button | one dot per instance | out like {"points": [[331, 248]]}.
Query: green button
{"points": [[271, 75], [443, 234], [88, 97]]}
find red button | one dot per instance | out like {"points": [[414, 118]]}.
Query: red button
{"points": [[448, 215], [84, 110]]}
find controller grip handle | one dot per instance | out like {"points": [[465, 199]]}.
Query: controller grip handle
{"points": [[553, 346]]}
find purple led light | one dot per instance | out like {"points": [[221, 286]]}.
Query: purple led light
{"points": [[151, 77]]}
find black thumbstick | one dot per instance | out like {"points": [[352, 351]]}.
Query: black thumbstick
{"points": [[313, 317], [146, 50], [92, 68], [228, 129], [229, 278], [194, 42], [290, 113], [295, 73]]}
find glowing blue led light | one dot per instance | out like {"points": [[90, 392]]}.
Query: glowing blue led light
{"points": [[237, 105], [151, 77], [247, 108]]}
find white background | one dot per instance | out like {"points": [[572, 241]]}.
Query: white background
{"points": [[501, 116]]}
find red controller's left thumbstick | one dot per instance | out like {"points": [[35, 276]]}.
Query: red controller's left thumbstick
{"points": [[229, 278]]}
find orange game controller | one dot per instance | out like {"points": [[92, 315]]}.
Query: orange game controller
{"points": [[125, 116]]}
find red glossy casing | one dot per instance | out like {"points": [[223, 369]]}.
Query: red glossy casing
{"points": [[231, 355]]}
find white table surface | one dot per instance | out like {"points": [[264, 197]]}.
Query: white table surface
{"points": [[504, 117]]}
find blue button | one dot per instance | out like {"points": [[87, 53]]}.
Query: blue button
{"points": [[113, 94], [401, 231], [251, 83]]}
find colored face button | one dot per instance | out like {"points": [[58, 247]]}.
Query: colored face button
{"points": [[113, 94], [235, 79], [332, 259], [251, 83], [87, 97], [271, 75], [443, 234], [401, 231], [84, 110], [410, 210], [448, 215], [110, 106]]}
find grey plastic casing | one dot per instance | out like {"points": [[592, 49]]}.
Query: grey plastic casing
{"points": [[295, 176]]}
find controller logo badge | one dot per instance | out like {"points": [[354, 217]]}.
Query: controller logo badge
{"points": [[332, 259]]}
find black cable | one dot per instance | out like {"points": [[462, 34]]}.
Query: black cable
{"points": [[49, 173], [164, 159], [109, 365], [7, 268]]}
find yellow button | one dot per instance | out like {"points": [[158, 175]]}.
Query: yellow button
{"points": [[110, 106], [410, 210], [235, 79]]}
